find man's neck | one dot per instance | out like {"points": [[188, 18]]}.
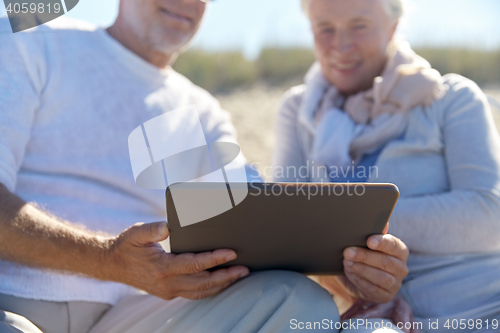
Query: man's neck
{"points": [[119, 32]]}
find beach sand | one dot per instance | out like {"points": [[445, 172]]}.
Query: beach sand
{"points": [[253, 113]]}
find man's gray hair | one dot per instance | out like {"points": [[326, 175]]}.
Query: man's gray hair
{"points": [[395, 8]]}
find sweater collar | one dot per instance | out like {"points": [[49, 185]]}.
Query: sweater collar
{"points": [[130, 60]]}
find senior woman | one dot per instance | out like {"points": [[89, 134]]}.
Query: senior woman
{"points": [[371, 103]]}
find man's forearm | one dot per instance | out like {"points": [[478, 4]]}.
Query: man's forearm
{"points": [[31, 237]]}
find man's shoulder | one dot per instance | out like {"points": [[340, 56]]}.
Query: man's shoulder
{"points": [[5, 25], [70, 24], [34, 40]]}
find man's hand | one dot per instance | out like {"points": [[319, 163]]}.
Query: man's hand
{"points": [[138, 260], [373, 274], [31, 237]]}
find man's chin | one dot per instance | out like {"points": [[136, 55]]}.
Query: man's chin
{"points": [[174, 43]]}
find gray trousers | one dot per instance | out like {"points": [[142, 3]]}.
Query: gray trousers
{"points": [[272, 301]]}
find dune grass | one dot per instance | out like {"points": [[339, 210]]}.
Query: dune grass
{"points": [[483, 67], [223, 72]]}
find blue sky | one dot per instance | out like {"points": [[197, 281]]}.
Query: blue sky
{"points": [[248, 25]]}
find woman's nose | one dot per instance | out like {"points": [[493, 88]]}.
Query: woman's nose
{"points": [[342, 42]]}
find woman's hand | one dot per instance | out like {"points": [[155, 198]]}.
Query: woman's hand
{"points": [[373, 274], [397, 310]]}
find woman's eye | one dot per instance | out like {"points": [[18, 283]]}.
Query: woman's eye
{"points": [[360, 27], [327, 31]]}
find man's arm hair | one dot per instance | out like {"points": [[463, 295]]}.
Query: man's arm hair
{"points": [[31, 237]]}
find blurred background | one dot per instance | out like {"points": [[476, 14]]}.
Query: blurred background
{"points": [[249, 52]]}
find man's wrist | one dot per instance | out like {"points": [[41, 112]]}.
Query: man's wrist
{"points": [[105, 266]]}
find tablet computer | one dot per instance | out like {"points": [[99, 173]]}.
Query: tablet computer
{"points": [[302, 227]]}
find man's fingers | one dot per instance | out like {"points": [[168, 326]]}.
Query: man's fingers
{"points": [[375, 259], [190, 263], [143, 234], [206, 280], [390, 245], [204, 293], [205, 284]]}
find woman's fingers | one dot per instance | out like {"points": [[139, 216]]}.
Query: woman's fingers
{"points": [[379, 279], [375, 259], [378, 271], [390, 245], [368, 290], [386, 229]]}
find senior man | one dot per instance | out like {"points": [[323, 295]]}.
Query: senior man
{"points": [[70, 94]]}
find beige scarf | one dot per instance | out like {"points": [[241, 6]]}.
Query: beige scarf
{"points": [[371, 118]]}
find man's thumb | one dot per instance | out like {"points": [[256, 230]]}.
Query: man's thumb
{"points": [[147, 233]]}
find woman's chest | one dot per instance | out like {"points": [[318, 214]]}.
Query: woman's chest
{"points": [[417, 162]]}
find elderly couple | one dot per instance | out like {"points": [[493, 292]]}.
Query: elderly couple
{"points": [[71, 94]]}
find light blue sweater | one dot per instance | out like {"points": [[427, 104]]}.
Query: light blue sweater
{"points": [[70, 95], [447, 168]]}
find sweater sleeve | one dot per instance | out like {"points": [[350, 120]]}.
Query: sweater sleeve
{"points": [[465, 219], [20, 86], [288, 156]]}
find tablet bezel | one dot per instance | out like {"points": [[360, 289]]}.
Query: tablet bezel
{"points": [[289, 241]]}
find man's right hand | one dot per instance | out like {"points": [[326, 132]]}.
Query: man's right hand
{"points": [[138, 260]]}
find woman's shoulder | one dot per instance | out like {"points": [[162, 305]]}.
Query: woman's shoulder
{"points": [[461, 94], [292, 99], [461, 88], [460, 85]]}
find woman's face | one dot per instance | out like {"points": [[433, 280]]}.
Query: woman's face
{"points": [[351, 39]]}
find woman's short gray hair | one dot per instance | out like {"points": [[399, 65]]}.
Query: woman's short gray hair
{"points": [[395, 8]]}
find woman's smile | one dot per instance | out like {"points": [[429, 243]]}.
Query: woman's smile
{"points": [[346, 67]]}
